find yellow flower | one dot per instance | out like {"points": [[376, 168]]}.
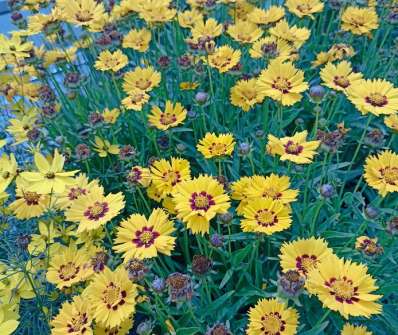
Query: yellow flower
{"points": [[377, 96], [139, 175], [345, 287], [46, 23], [271, 47], [303, 255], [282, 82], [15, 47], [156, 11], [171, 117], [68, 267], [303, 8], [266, 16], [122, 329], [136, 99], [111, 61], [140, 238], [166, 175], [224, 58], [59, 56], [111, 115], [381, 172], [213, 145], [112, 297], [189, 18], [144, 79], [188, 85], [391, 121], [244, 32], [295, 148], [8, 320], [208, 29], [46, 236], [339, 77], [355, 330], [245, 94], [73, 318], [359, 21], [270, 316], [8, 170], [20, 128], [266, 216], [198, 201], [340, 51], [369, 246], [14, 286], [94, 210], [50, 176], [294, 35], [137, 39], [240, 10], [104, 147]]}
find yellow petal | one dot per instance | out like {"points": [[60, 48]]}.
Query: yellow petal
{"points": [[41, 163]]}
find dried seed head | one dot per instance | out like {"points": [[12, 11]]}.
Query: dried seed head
{"points": [[136, 269], [291, 283], [179, 286], [201, 264]]}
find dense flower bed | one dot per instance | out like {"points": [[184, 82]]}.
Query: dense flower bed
{"points": [[199, 167]]}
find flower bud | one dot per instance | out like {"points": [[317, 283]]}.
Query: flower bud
{"points": [[371, 212], [326, 190], [244, 149], [216, 240], [317, 93], [158, 284], [201, 98]]}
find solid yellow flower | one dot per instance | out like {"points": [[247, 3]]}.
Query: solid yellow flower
{"points": [[50, 177], [224, 58], [94, 210], [244, 32], [245, 94], [208, 29], [272, 317], [8, 170], [198, 201], [381, 172], [104, 147], [108, 61], [295, 148], [144, 79], [266, 16], [73, 318], [302, 255], [340, 76], [138, 237], [359, 21], [294, 35], [282, 82], [188, 85], [355, 330], [213, 145], [302, 8], [137, 39], [156, 11], [266, 216], [8, 319], [377, 96], [112, 297], [172, 116]]}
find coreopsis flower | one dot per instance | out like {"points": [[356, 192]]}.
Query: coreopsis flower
{"points": [[104, 147], [271, 47], [139, 175], [46, 237], [122, 329], [86, 13], [8, 319], [199, 200], [244, 32], [50, 176], [213, 145], [224, 58], [8, 170], [59, 56], [108, 61], [167, 174], [180, 287], [172, 116], [29, 204], [381, 172], [68, 266], [344, 287], [359, 21], [189, 18], [74, 317], [144, 79], [294, 35], [112, 297], [282, 82], [138, 237], [94, 210], [137, 39], [272, 186], [340, 76], [110, 115], [302, 255], [295, 148], [266, 216], [15, 46], [341, 51], [369, 246], [47, 23], [355, 330], [245, 94], [188, 85], [239, 192], [377, 96], [208, 29], [21, 128], [271, 316], [391, 121], [156, 11], [136, 99], [266, 16], [302, 8]]}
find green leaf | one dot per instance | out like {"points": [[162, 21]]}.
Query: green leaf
{"points": [[188, 331], [226, 278], [317, 329]]}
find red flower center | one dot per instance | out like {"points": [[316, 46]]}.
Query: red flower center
{"points": [[201, 201], [97, 211], [145, 237]]}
